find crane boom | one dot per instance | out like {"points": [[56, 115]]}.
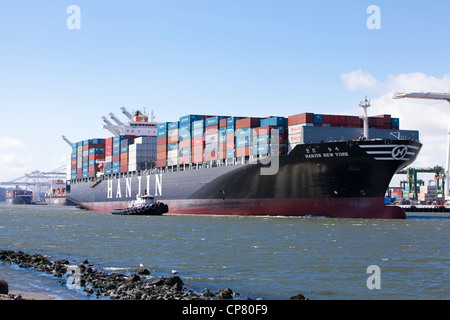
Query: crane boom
{"points": [[67, 140], [110, 127], [433, 96], [423, 95], [120, 123], [126, 113]]}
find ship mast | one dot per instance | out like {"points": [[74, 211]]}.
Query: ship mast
{"points": [[365, 104]]}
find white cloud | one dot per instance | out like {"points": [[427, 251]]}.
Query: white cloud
{"points": [[359, 79], [10, 143], [430, 117]]}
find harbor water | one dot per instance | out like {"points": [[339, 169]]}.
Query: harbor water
{"points": [[257, 257]]}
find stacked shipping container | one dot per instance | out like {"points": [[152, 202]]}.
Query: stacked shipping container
{"points": [[112, 155], [196, 139]]}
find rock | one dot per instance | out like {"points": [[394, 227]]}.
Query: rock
{"points": [[226, 294], [143, 271], [134, 278], [208, 294], [298, 297], [4, 289]]}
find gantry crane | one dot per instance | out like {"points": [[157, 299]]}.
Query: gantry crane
{"points": [[433, 96]]}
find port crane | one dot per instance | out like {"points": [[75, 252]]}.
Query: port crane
{"points": [[39, 182], [434, 96]]}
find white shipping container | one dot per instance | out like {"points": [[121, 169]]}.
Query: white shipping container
{"points": [[172, 154], [295, 138], [295, 129], [85, 153], [172, 161], [108, 159], [211, 138], [172, 132]]}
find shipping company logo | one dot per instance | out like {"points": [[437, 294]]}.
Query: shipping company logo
{"points": [[399, 152]]}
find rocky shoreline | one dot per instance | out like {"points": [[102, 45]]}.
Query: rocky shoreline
{"points": [[120, 286]]}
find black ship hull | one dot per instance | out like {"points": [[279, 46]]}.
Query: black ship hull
{"points": [[336, 179]]}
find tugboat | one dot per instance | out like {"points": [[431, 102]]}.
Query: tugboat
{"points": [[144, 205]]}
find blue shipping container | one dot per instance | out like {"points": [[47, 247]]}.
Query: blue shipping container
{"points": [[172, 146], [184, 135], [161, 133], [317, 118], [230, 153], [212, 121], [190, 118], [185, 152], [242, 142], [245, 132], [197, 133], [395, 122], [116, 170], [261, 149], [173, 125], [274, 121], [118, 138], [162, 126], [199, 124], [116, 164]]}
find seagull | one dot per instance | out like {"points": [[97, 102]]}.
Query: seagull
{"points": [[141, 265], [174, 271]]}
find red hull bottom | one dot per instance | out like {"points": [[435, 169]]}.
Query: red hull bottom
{"points": [[366, 208]]}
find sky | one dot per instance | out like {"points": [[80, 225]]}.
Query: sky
{"points": [[241, 58]]}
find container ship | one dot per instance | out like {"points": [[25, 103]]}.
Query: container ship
{"points": [[305, 164], [18, 196], [57, 194]]}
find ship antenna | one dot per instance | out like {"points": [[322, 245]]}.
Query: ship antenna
{"points": [[152, 117], [365, 104]]}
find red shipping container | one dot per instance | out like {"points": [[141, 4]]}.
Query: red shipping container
{"points": [[230, 137], [230, 145], [247, 123], [161, 156], [116, 158], [242, 151], [172, 139], [124, 168], [73, 166], [184, 143], [300, 118], [79, 175], [161, 140], [161, 163], [161, 148], [223, 123], [184, 160], [222, 150], [197, 157], [261, 131], [211, 130]]}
